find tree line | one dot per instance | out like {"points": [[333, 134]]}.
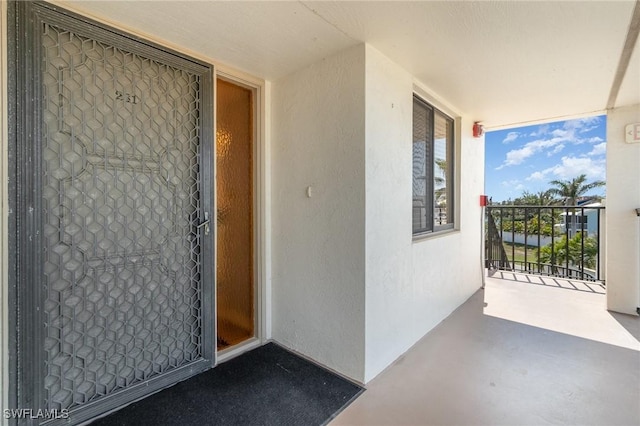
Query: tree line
{"points": [[567, 248], [562, 192]]}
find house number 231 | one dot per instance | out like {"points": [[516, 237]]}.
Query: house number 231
{"points": [[127, 97]]}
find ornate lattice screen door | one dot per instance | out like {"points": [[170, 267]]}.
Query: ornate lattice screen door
{"points": [[112, 141]]}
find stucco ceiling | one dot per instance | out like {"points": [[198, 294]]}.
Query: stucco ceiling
{"points": [[504, 63]]}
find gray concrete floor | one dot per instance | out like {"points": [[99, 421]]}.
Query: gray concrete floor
{"points": [[516, 353]]}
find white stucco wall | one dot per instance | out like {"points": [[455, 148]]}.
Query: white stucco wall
{"points": [[622, 224], [318, 276], [447, 270], [348, 285], [411, 285], [351, 288], [389, 158]]}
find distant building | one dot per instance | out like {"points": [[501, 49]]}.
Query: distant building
{"points": [[584, 219]]}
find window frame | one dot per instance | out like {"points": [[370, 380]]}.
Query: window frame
{"points": [[450, 174]]}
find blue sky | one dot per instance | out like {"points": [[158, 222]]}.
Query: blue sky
{"points": [[527, 158]]}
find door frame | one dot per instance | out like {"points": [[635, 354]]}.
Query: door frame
{"points": [[261, 217], [25, 297]]}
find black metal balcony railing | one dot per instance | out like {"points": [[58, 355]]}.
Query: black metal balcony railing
{"points": [[545, 240]]}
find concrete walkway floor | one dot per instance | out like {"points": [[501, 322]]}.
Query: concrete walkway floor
{"points": [[515, 353]]}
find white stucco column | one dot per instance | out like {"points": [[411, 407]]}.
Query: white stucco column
{"points": [[318, 211], [351, 287], [622, 223]]}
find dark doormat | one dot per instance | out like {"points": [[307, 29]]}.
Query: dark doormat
{"points": [[267, 386]]}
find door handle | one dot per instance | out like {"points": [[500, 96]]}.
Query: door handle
{"points": [[205, 224]]}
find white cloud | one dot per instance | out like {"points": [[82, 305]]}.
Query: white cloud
{"points": [[583, 125], [511, 136], [556, 150], [542, 130], [552, 141], [572, 129], [536, 176], [517, 156], [574, 166], [560, 133], [599, 149], [571, 167], [513, 185]]}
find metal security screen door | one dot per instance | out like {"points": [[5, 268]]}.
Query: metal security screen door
{"points": [[113, 170]]}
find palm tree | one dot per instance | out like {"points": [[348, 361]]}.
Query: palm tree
{"points": [[571, 190], [540, 198], [571, 252]]}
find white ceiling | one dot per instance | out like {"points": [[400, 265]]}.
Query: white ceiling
{"points": [[503, 63]]}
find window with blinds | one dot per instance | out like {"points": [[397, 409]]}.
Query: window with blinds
{"points": [[433, 150]]}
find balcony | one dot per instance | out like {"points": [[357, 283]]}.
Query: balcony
{"points": [[557, 241], [526, 350]]}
